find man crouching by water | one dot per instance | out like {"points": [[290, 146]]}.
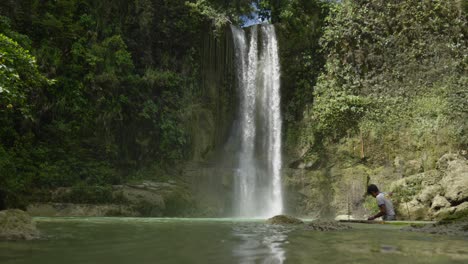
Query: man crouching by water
{"points": [[385, 205]]}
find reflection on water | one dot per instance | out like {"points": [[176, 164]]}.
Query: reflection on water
{"points": [[275, 243], [260, 243]]}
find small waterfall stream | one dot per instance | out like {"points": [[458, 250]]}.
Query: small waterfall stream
{"points": [[258, 190]]}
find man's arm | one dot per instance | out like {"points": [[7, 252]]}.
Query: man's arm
{"points": [[383, 211]]}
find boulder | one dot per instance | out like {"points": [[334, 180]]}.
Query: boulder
{"points": [[327, 226], [443, 162], [413, 210], [284, 220], [426, 196], [17, 225], [455, 182], [439, 202], [444, 213], [454, 213], [462, 208]]}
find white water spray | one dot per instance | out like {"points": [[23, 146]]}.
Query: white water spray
{"points": [[258, 190]]}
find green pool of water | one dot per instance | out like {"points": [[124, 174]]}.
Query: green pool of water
{"points": [[176, 241]]}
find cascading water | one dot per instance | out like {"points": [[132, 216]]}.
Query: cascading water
{"points": [[258, 190]]}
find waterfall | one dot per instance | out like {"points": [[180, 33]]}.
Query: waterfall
{"points": [[258, 191]]}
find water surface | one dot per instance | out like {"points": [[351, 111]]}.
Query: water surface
{"points": [[176, 241]]}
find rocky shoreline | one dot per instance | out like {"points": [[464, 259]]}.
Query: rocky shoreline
{"points": [[434, 194], [422, 193], [143, 199]]}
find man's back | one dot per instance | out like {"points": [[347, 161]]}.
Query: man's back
{"points": [[382, 200]]}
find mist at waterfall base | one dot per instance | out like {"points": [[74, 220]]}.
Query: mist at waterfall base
{"points": [[257, 183]]}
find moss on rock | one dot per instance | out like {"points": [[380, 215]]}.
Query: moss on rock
{"points": [[284, 220], [17, 225]]}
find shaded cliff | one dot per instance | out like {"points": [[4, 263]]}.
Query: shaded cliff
{"points": [[210, 168]]}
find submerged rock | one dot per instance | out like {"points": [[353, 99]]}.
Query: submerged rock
{"points": [[17, 225], [327, 226], [284, 220]]}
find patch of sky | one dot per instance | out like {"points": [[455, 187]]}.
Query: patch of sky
{"points": [[254, 17]]}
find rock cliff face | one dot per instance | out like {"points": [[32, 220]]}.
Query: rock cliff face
{"points": [[146, 198], [434, 194], [339, 188], [209, 170], [209, 123]]}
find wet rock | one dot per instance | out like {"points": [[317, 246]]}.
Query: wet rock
{"points": [[284, 220], [327, 226], [17, 225]]}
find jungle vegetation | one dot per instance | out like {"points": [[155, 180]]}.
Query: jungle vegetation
{"points": [[95, 93]]}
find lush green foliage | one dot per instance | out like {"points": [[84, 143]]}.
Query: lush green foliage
{"points": [[123, 72], [393, 65], [19, 77], [300, 27], [94, 93], [21, 88]]}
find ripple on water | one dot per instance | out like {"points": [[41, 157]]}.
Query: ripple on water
{"points": [[171, 241]]}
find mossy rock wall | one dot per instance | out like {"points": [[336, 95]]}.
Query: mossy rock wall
{"points": [[209, 170], [209, 122]]}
